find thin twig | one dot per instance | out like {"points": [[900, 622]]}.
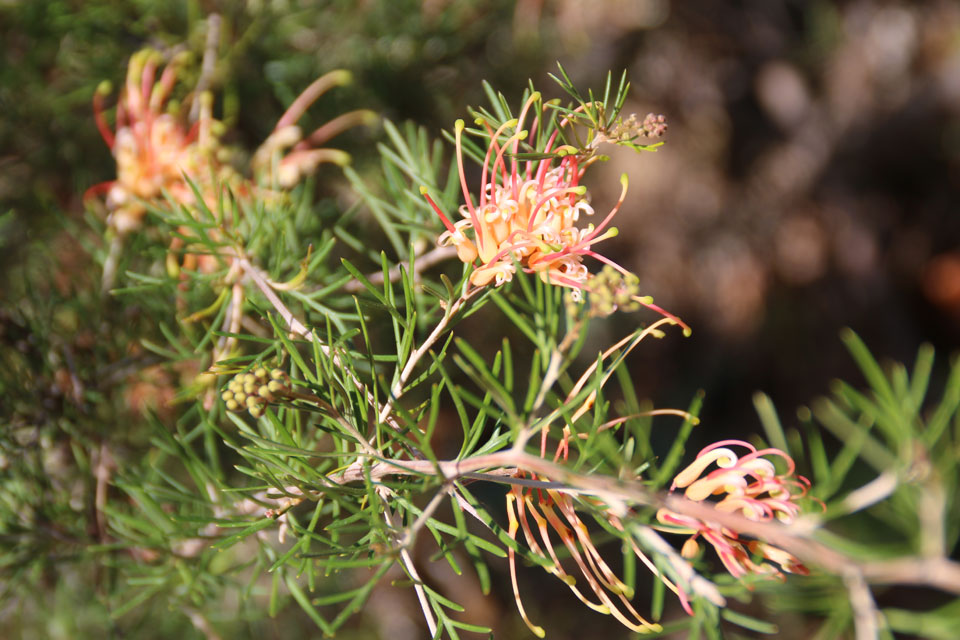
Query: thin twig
{"points": [[110, 265], [936, 572], [102, 474], [425, 515], [869, 494], [208, 65], [201, 623], [336, 415], [864, 608], [407, 561]]}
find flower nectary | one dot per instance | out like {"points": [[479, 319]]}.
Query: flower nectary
{"points": [[527, 211], [749, 485]]}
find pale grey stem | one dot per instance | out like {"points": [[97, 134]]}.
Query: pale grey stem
{"points": [[200, 622], [937, 572], [425, 515], [932, 514], [698, 584], [110, 265], [101, 472], [407, 561], [865, 612], [870, 494], [208, 65]]}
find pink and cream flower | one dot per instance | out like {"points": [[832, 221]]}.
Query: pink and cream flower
{"points": [[554, 514], [747, 484], [152, 145], [527, 211], [159, 151]]}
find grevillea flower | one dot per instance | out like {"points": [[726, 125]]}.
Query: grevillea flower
{"points": [[527, 211], [555, 510], [152, 146], [749, 485], [157, 149]]}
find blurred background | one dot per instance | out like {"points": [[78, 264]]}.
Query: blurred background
{"points": [[810, 178]]}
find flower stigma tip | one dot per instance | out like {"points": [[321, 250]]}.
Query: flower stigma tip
{"points": [[341, 77]]}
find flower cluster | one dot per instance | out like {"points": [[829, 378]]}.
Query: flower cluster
{"points": [[253, 391], [556, 510], [158, 149], [152, 145], [527, 211], [171, 149], [748, 485], [611, 290]]}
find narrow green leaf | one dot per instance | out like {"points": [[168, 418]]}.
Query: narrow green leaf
{"points": [[304, 603], [748, 622], [770, 421]]}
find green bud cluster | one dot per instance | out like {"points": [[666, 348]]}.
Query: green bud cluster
{"points": [[611, 290], [653, 125], [254, 390]]}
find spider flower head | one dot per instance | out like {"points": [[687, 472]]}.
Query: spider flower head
{"points": [[749, 485], [287, 155], [544, 515], [160, 149], [527, 211], [152, 144]]}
